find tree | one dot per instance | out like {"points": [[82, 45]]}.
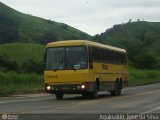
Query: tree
{"points": [[6, 64], [31, 66], [130, 20], [146, 61]]}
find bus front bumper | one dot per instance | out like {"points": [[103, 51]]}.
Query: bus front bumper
{"points": [[68, 88]]}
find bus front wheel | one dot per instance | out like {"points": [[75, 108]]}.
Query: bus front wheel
{"points": [[94, 93], [59, 96], [85, 95]]}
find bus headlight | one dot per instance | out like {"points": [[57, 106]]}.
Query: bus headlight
{"points": [[83, 86], [48, 87]]}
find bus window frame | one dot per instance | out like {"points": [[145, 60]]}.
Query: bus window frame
{"points": [[112, 56], [90, 58]]}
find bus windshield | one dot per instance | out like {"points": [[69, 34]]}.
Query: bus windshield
{"points": [[66, 58]]}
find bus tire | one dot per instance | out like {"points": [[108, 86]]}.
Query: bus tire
{"points": [[59, 96], [94, 94], [121, 86], [85, 95], [117, 89]]}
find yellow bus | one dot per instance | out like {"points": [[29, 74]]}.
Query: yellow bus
{"points": [[84, 67]]}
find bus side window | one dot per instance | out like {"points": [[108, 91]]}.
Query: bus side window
{"points": [[90, 57]]}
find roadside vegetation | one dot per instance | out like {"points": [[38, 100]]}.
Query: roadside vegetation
{"points": [[14, 83], [21, 68], [142, 77]]}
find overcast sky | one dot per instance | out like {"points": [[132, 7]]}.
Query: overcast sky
{"points": [[90, 16]]}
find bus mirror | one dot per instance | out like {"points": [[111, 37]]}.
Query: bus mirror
{"points": [[44, 57]]}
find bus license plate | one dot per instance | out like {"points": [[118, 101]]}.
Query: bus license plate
{"points": [[65, 88]]}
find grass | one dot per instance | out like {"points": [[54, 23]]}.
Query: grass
{"points": [[21, 52], [13, 83], [142, 77]]}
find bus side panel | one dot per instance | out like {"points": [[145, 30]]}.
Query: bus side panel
{"points": [[107, 74]]}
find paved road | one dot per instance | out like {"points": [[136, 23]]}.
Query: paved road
{"points": [[141, 100]]}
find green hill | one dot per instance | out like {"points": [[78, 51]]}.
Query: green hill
{"points": [[141, 40], [18, 27], [22, 57], [21, 52]]}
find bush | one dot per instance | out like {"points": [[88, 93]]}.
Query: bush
{"points": [[146, 61], [141, 77], [31, 66], [6, 64]]}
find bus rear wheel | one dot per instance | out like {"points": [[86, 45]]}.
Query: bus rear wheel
{"points": [[117, 90], [59, 96]]}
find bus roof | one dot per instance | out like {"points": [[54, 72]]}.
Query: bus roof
{"points": [[84, 42]]}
